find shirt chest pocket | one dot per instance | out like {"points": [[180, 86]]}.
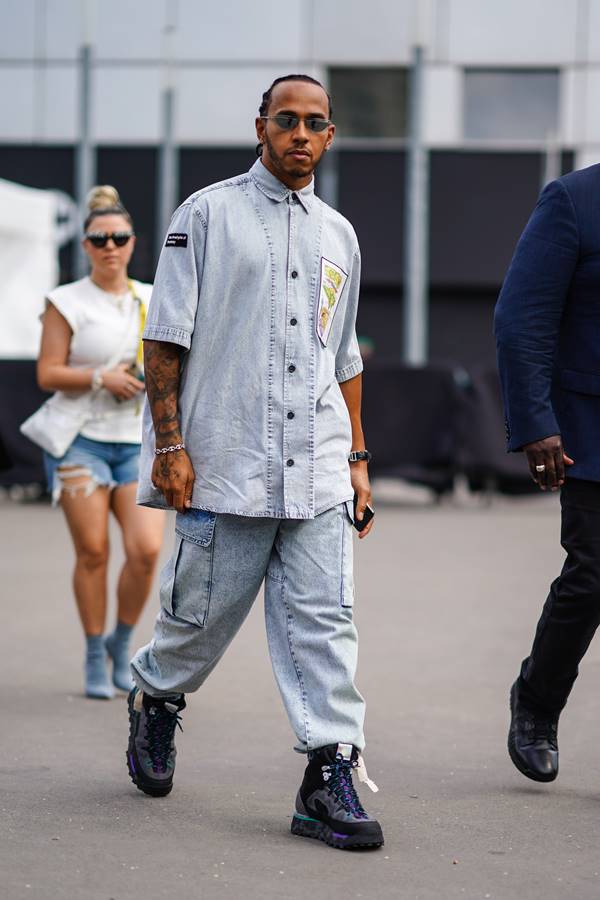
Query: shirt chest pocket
{"points": [[186, 580]]}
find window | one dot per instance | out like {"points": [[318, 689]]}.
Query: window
{"points": [[369, 102], [511, 104]]}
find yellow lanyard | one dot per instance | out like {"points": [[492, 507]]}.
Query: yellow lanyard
{"points": [[142, 323]]}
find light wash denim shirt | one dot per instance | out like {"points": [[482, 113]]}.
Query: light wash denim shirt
{"points": [[259, 284]]}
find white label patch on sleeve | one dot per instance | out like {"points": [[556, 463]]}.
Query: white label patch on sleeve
{"points": [[333, 280]]}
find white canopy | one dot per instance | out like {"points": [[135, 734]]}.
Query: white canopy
{"points": [[28, 266]]}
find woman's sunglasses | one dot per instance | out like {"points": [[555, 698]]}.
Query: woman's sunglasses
{"points": [[101, 238], [288, 123]]}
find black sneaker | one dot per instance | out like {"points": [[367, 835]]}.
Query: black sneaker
{"points": [[327, 805], [151, 750]]}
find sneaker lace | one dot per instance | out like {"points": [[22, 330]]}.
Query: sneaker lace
{"points": [[160, 728], [338, 780]]}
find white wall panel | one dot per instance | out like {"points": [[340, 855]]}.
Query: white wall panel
{"points": [[592, 28], [118, 29], [63, 28], [354, 33], [513, 32], [126, 104], [260, 30], [443, 104], [17, 30], [16, 103], [129, 29], [219, 106], [587, 156], [58, 102], [592, 105]]}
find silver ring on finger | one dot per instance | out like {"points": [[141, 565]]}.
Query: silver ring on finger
{"points": [[540, 468]]}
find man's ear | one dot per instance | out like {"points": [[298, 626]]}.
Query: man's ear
{"points": [[260, 129]]}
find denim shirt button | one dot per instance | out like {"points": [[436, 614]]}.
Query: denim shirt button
{"points": [[290, 415], [294, 274], [290, 462], [293, 321], [292, 368]]}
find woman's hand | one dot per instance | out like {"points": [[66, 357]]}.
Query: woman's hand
{"points": [[120, 383]]}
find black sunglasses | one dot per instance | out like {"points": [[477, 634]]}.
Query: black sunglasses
{"points": [[288, 123], [101, 238]]}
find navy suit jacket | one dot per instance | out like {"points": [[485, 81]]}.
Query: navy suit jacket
{"points": [[547, 324]]}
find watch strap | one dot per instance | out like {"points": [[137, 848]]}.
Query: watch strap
{"points": [[360, 456]]}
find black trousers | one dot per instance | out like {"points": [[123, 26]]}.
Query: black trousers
{"points": [[571, 613]]}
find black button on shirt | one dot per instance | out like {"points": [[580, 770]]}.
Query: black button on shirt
{"points": [[290, 415], [294, 274], [292, 368], [290, 462], [293, 321]]}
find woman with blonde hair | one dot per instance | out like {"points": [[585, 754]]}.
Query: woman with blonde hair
{"points": [[91, 357]]}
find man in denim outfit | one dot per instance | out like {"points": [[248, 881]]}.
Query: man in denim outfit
{"points": [[253, 434]]}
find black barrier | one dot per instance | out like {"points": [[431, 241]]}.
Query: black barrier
{"points": [[409, 418], [481, 438], [427, 424], [19, 397]]}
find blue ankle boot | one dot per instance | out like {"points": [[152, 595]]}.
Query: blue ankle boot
{"points": [[117, 646], [97, 685]]}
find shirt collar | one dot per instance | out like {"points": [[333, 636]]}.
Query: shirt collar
{"points": [[276, 190]]}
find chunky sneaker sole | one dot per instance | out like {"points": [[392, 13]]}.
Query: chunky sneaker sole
{"points": [[328, 807], [136, 773], [304, 826]]}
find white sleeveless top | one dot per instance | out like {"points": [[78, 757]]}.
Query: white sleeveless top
{"points": [[100, 323]]}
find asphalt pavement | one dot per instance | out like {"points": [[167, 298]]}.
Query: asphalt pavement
{"points": [[447, 599]]}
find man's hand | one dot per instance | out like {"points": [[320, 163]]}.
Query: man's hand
{"points": [[550, 454], [359, 476], [173, 475]]}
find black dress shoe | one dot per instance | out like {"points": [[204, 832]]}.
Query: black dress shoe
{"points": [[532, 740]]}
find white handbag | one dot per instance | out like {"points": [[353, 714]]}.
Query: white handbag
{"points": [[58, 421]]}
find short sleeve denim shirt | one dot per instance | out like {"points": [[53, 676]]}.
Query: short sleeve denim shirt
{"points": [[259, 284]]}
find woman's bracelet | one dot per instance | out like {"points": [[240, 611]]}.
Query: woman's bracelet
{"points": [[97, 379], [172, 449]]}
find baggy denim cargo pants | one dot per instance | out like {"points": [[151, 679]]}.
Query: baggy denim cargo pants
{"points": [[208, 587]]}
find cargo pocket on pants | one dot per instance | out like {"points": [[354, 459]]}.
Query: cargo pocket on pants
{"points": [[186, 580], [347, 589]]}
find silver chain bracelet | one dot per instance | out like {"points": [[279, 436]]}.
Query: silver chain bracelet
{"points": [[172, 449]]}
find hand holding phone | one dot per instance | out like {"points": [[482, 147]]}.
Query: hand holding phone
{"points": [[367, 516]]}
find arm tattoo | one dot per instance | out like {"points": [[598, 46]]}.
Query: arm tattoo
{"points": [[162, 367]]}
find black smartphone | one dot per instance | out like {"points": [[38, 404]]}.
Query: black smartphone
{"points": [[368, 515]]}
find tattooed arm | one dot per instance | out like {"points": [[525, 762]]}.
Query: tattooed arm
{"points": [[172, 473]]}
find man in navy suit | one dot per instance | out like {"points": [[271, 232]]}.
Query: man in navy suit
{"points": [[547, 326]]}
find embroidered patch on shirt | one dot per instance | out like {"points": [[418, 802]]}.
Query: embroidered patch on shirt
{"points": [[176, 240], [333, 280]]}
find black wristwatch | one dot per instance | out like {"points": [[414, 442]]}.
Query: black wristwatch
{"points": [[360, 456]]}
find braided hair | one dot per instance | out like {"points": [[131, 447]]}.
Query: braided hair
{"points": [[266, 97]]}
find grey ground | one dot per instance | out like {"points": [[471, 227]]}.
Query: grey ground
{"points": [[447, 598]]}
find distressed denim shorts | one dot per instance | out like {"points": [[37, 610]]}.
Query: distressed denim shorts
{"points": [[108, 465]]}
